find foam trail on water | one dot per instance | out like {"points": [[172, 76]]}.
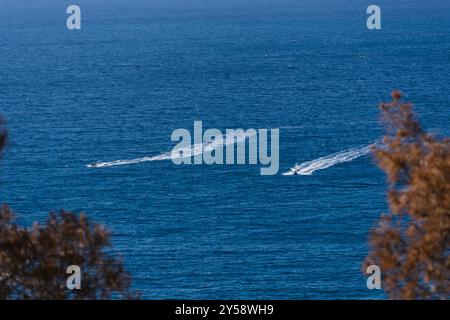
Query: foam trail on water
{"points": [[187, 152], [309, 167]]}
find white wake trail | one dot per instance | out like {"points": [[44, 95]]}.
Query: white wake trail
{"points": [[187, 152], [309, 167]]}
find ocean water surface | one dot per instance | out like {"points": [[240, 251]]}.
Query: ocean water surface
{"points": [[137, 70]]}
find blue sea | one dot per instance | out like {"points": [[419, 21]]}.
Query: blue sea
{"points": [[137, 70]]}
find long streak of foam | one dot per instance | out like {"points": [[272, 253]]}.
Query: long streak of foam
{"points": [[188, 152], [309, 167]]}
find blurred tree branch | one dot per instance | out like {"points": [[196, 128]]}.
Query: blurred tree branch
{"points": [[33, 261], [411, 244]]}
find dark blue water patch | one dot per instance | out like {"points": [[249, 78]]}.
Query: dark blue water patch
{"points": [[119, 87]]}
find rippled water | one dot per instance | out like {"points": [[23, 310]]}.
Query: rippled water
{"points": [[135, 72]]}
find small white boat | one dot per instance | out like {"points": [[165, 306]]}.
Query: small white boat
{"points": [[292, 172]]}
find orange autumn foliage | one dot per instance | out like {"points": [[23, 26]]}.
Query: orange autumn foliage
{"points": [[411, 244]]}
